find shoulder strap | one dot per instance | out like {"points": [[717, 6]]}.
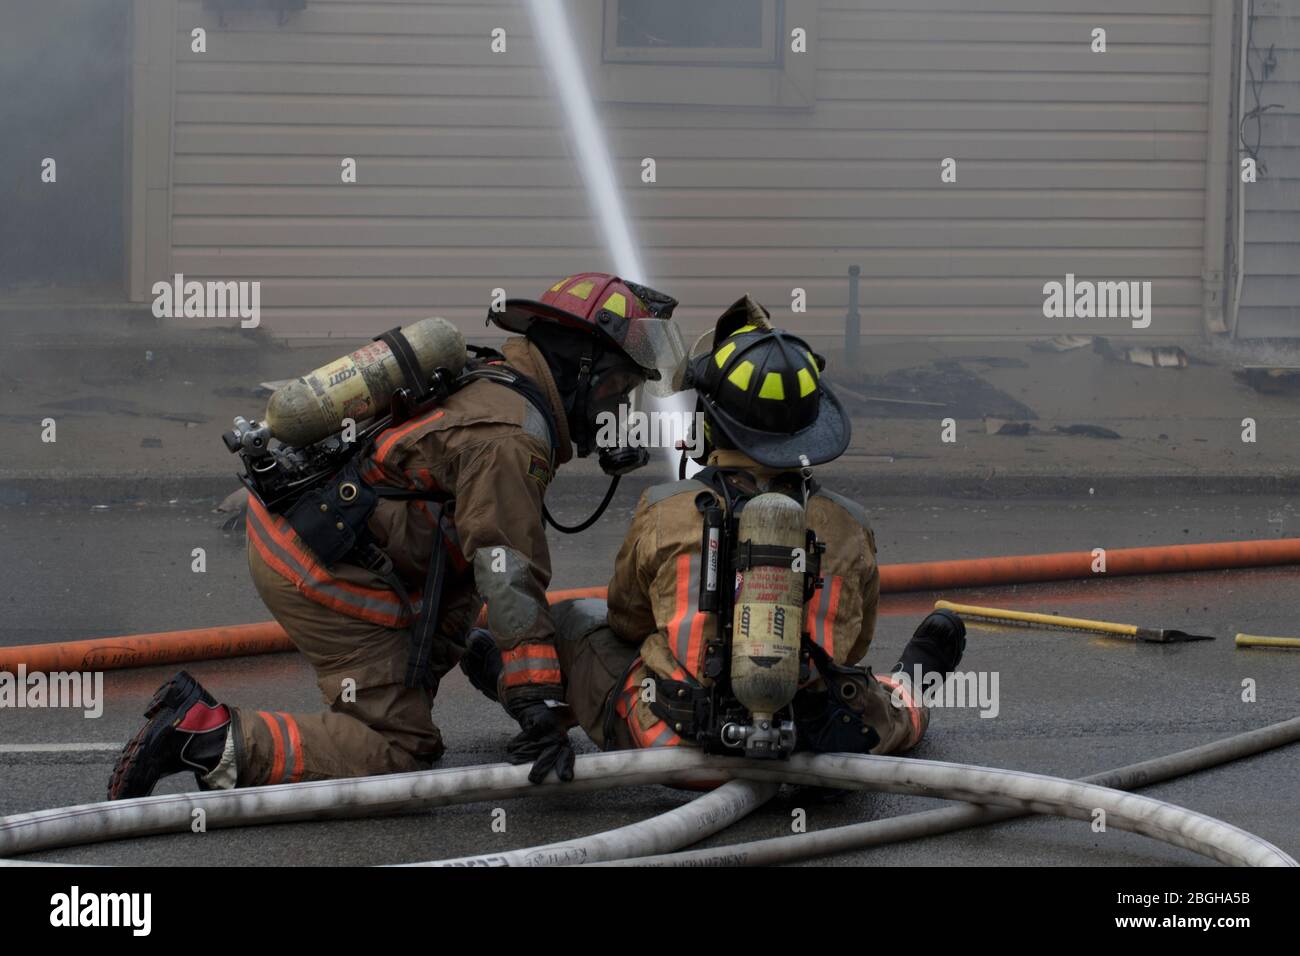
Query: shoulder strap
{"points": [[517, 382]]}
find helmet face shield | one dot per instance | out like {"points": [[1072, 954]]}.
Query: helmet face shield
{"points": [[657, 346]]}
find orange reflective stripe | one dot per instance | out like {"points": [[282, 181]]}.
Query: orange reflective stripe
{"points": [[277, 543], [295, 745], [827, 603], [686, 629], [627, 696], [277, 746], [531, 664], [658, 734], [394, 435], [373, 474], [520, 678], [681, 584], [828, 620], [286, 537], [909, 702]]}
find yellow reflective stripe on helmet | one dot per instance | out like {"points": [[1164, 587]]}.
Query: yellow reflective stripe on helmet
{"points": [[743, 328], [806, 383], [616, 303], [740, 375], [560, 285], [724, 353], [813, 363], [581, 290], [773, 387]]}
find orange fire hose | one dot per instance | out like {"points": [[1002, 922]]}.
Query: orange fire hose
{"points": [[1026, 568], [204, 643], [174, 647]]}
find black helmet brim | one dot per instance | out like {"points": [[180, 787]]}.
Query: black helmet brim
{"points": [[824, 440]]}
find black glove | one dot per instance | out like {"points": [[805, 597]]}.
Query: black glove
{"points": [[543, 741]]}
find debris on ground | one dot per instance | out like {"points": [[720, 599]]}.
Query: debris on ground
{"points": [[995, 361], [1090, 431], [843, 390], [240, 391], [151, 443], [1149, 356], [1270, 380], [95, 403], [1165, 357], [922, 391], [1000, 426], [1062, 343]]}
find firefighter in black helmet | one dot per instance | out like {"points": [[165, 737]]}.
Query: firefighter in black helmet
{"points": [[765, 412], [759, 389]]}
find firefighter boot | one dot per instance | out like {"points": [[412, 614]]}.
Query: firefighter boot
{"points": [[186, 730], [935, 648], [481, 662]]}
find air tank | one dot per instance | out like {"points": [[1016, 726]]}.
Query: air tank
{"points": [[360, 385], [768, 616]]}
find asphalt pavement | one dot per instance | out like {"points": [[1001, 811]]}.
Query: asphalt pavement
{"points": [[1068, 704]]}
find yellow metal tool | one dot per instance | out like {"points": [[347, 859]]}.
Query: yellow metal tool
{"points": [[1149, 634], [1253, 640]]}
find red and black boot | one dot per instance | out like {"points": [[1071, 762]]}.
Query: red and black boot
{"points": [[186, 730]]}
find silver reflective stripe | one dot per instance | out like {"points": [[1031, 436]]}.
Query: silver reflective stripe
{"points": [[531, 663], [289, 753], [692, 609]]}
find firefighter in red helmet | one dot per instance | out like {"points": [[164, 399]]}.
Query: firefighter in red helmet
{"points": [[471, 474]]}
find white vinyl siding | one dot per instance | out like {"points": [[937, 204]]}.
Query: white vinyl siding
{"points": [[1068, 161], [1270, 294]]}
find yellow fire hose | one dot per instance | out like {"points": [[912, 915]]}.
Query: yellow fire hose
{"points": [[1253, 640], [1152, 635]]}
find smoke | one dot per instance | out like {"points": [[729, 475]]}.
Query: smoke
{"points": [[555, 42]]}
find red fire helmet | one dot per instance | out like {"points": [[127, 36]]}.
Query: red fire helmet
{"points": [[632, 318]]}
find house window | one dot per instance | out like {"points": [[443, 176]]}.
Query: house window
{"points": [[703, 53], [702, 32]]}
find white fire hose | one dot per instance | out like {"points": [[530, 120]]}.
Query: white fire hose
{"points": [[913, 826], [400, 793]]}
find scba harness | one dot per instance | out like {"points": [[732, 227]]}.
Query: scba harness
{"points": [[708, 712], [321, 493]]}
